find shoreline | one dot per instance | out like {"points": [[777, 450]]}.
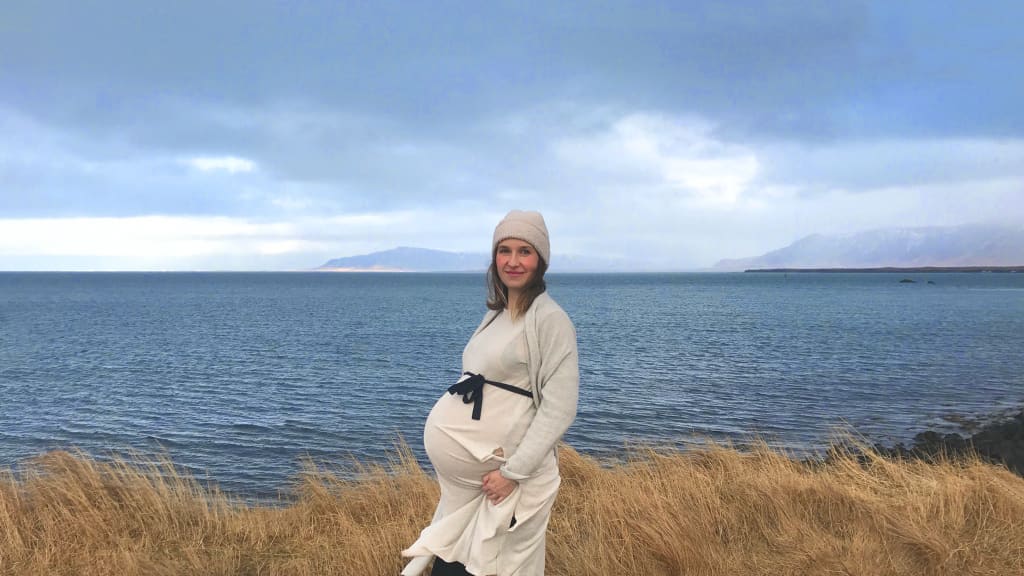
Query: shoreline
{"points": [[996, 437], [897, 269]]}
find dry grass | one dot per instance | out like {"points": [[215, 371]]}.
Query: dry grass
{"points": [[717, 511]]}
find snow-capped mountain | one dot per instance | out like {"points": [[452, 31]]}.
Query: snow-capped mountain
{"points": [[969, 245]]}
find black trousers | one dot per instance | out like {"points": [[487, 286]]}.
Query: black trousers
{"points": [[442, 568]]}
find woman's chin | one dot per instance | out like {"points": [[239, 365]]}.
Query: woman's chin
{"points": [[515, 283]]}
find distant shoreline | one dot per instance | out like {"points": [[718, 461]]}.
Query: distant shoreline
{"points": [[355, 269], [898, 269]]}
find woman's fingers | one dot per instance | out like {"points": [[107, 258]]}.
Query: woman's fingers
{"points": [[496, 487], [496, 496]]}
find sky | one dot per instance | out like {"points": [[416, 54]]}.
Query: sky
{"points": [[257, 135]]}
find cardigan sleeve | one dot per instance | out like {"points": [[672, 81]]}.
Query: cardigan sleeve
{"points": [[559, 382]]}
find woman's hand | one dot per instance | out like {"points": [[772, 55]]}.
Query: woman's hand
{"points": [[496, 487]]}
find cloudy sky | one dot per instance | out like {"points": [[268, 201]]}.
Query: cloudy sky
{"points": [[275, 135]]}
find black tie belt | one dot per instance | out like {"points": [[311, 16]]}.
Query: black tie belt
{"points": [[472, 390]]}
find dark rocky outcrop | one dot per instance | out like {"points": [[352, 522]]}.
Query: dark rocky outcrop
{"points": [[999, 442]]}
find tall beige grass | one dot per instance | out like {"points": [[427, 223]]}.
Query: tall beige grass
{"points": [[716, 511]]}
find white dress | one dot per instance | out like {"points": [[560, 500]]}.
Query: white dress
{"points": [[467, 528]]}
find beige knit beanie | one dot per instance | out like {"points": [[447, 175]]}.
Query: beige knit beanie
{"points": [[525, 225]]}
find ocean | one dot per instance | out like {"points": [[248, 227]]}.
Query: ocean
{"points": [[239, 377]]}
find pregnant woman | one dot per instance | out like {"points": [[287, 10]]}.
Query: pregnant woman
{"points": [[492, 436]]}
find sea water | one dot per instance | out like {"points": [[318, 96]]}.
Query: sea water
{"points": [[238, 377]]}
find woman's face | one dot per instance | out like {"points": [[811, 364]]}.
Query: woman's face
{"points": [[516, 262]]}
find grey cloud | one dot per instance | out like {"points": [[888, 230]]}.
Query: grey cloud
{"points": [[307, 161], [793, 68], [46, 171]]}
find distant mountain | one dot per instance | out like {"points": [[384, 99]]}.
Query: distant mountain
{"points": [[408, 259], [971, 245]]}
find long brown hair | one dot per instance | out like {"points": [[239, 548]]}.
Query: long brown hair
{"points": [[497, 292]]}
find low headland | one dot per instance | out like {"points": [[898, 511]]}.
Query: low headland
{"points": [[944, 505]]}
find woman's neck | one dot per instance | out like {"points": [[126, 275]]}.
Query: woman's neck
{"points": [[513, 303], [513, 299]]}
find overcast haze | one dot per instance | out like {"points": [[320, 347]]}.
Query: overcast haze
{"points": [[277, 135]]}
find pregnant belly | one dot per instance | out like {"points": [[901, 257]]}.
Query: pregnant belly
{"points": [[461, 448]]}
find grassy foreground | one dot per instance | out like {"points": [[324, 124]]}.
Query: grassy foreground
{"points": [[716, 511]]}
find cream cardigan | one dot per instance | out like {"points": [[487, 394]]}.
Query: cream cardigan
{"points": [[554, 377]]}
